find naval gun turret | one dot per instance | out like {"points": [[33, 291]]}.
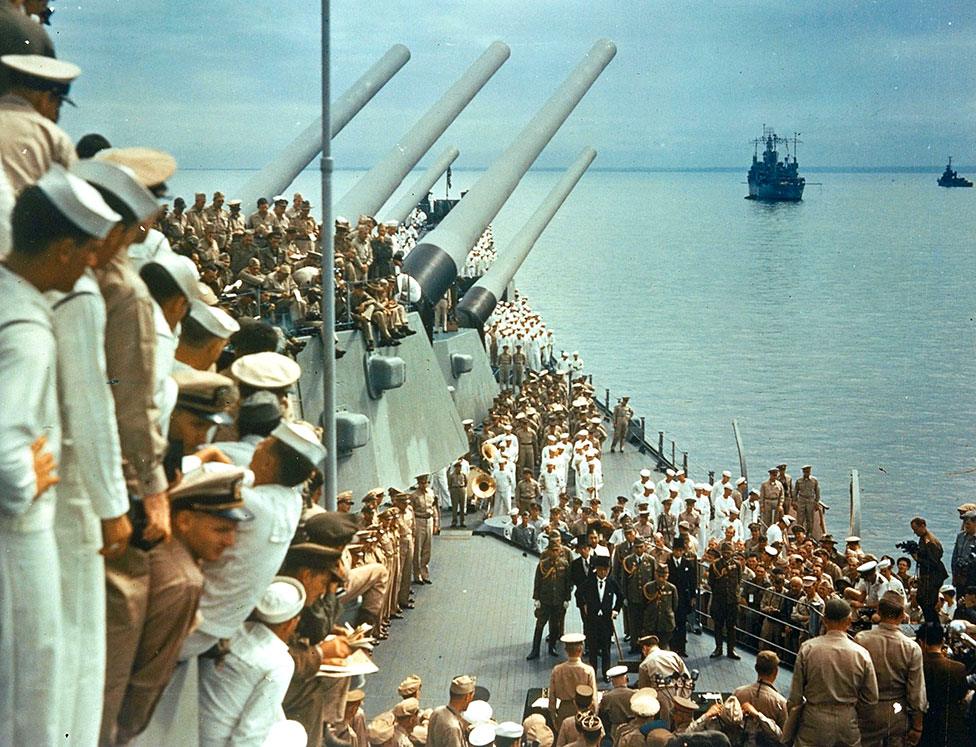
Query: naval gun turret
{"points": [[434, 262], [482, 297], [375, 186], [276, 176]]}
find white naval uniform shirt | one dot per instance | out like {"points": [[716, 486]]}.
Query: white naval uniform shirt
{"points": [[241, 701], [166, 391], [233, 584], [92, 458], [240, 452]]}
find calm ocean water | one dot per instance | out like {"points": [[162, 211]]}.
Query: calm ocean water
{"points": [[838, 331]]}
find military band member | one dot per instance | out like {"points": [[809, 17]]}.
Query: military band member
{"points": [[622, 415], [724, 580], [551, 591]]}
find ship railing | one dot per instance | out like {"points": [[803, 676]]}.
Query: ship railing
{"points": [[749, 622]]}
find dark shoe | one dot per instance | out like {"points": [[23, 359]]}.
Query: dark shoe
{"points": [[406, 331], [682, 654], [717, 653], [417, 582], [428, 581], [733, 655], [533, 655], [454, 525], [462, 525], [370, 347], [553, 652], [409, 606], [396, 616], [339, 353], [331, 740]]}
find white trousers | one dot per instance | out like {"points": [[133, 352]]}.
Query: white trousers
{"points": [[79, 536], [31, 642]]}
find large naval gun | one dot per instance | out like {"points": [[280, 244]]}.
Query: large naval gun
{"points": [[434, 262], [482, 297], [399, 410]]}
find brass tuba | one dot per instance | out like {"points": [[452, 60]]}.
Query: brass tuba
{"points": [[488, 452], [480, 484]]}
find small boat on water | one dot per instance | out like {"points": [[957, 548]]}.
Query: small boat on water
{"points": [[950, 178], [770, 179]]}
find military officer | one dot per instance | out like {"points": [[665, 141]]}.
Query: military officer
{"points": [[898, 667], [771, 498], [526, 437], [786, 481], [622, 415], [661, 606], [519, 361], [527, 491], [427, 523], [565, 678], [636, 570], [724, 580], [504, 368], [551, 591], [806, 494]]}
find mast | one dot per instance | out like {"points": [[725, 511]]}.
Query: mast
{"points": [[329, 487]]}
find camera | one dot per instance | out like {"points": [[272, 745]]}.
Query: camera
{"points": [[908, 546]]}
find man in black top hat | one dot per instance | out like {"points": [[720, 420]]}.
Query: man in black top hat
{"points": [[602, 601]]}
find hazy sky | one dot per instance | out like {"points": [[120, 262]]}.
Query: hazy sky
{"points": [[225, 84]]}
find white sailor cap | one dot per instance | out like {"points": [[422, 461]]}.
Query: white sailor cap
{"points": [[809, 580], [122, 182], [740, 481], [867, 567], [617, 670], [853, 538], [674, 487], [564, 435], [726, 473], [391, 224], [679, 473], [213, 319], [266, 370], [644, 703], [181, 269], [807, 466], [207, 295], [481, 735], [884, 563], [233, 203], [948, 589], [669, 472], [281, 601], [645, 473], [478, 712], [302, 438], [467, 421], [571, 638], [151, 167], [509, 730], [78, 201], [513, 512], [551, 438], [727, 486], [771, 551], [280, 198]]}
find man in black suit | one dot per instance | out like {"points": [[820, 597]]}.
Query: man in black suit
{"points": [[602, 601], [579, 570], [683, 573]]}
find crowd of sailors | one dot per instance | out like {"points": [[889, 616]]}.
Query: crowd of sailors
{"points": [[167, 575]]}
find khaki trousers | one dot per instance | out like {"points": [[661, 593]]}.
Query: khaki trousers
{"points": [[828, 726], [880, 726], [423, 535], [405, 570], [368, 581]]}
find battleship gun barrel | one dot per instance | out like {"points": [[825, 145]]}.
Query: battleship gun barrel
{"points": [[434, 262], [481, 299], [277, 175], [421, 187], [375, 186]]}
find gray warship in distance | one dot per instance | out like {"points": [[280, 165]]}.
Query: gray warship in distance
{"points": [[770, 179], [950, 178]]}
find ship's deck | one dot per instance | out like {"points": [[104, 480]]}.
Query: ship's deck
{"points": [[476, 618]]}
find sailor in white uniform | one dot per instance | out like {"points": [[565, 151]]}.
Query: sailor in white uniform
{"points": [[234, 582], [240, 700], [718, 487], [552, 485], [32, 642], [257, 417], [662, 485], [637, 489], [504, 477], [93, 502], [724, 505]]}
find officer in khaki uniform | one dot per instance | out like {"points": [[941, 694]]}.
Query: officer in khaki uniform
{"points": [[622, 415], [898, 667], [724, 581], [457, 486], [519, 361], [527, 491], [661, 606], [526, 436], [833, 676], [427, 523], [504, 367], [565, 678], [806, 494], [771, 498], [404, 523]]}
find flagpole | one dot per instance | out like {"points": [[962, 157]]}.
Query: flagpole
{"points": [[329, 479]]}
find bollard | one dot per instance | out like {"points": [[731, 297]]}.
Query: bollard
{"points": [[711, 477], [660, 442], [608, 399], [684, 461], [674, 454]]}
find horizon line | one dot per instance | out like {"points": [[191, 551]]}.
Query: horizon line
{"points": [[645, 169]]}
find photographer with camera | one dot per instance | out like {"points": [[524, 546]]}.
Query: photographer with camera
{"points": [[927, 552]]}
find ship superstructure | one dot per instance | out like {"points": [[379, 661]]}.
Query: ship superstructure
{"points": [[771, 179]]}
